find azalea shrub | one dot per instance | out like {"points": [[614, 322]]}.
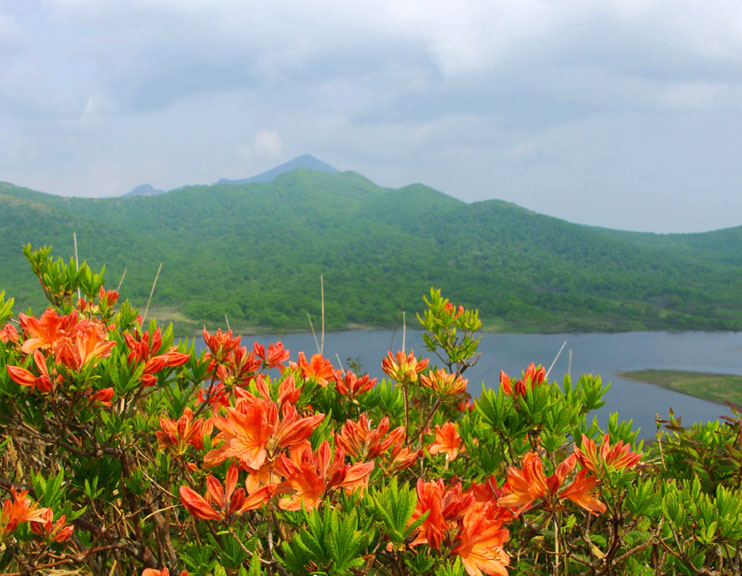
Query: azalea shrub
{"points": [[124, 452]]}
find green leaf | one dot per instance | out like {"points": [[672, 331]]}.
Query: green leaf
{"points": [[6, 308], [395, 505], [255, 568]]}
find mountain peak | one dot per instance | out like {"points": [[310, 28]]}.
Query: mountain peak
{"points": [[306, 161], [145, 190]]}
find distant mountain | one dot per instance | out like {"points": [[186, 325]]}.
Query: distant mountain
{"points": [[306, 161], [254, 252], [145, 190]]}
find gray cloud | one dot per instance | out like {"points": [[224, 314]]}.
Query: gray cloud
{"points": [[623, 113]]}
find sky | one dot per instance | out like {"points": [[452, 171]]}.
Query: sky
{"points": [[618, 113]]}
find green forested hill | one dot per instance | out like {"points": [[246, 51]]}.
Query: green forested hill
{"points": [[255, 252]]}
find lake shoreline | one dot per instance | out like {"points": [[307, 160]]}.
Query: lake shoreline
{"points": [[264, 331], [715, 387]]}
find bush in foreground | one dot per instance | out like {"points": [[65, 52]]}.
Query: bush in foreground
{"points": [[124, 453]]}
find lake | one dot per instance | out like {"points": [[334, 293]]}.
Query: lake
{"points": [[601, 354]]}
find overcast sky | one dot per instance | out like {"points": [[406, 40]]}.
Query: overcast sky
{"points": [[623, 113]]}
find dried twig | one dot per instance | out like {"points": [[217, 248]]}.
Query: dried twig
{"points": [[151, 292], [555, 359]]}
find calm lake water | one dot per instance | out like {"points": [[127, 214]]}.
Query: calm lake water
{"points": [[600, 354]]}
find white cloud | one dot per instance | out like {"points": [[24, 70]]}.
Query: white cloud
{"points": [[477, 97], [267, 145]]}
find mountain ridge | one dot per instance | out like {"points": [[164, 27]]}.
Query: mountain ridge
{"points": [[251, 250], [306, 161], [303, 161]]}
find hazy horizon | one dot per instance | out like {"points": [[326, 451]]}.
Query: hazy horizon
{"points": [[621, 114]]}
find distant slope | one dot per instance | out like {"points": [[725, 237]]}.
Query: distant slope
{"points": [[145, 190], [255, 252], [306, 161]]}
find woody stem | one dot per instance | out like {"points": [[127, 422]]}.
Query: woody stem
{"points": [[406, 414], [437, 405]]}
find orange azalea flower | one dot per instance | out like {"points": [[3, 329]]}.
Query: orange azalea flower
{"points": [[485, 503], [107, 297], [163, 572], [104, 396], [525, 486], [447, 440], [309, 476], [581, 493], [229, 498], [597, 461], [186, 431], [51, 532], [319, 368], [9, 334], [197, 504], [445, 506], [481, 547], [451, 311], [155, 364], [238, 367], [42, 382], [221, 345], [276, 356], [532, 377], [287, 390], [244, 433], [17, 511], [485, 491], [256, 499], [430, 500], [444, 383], [214, 394], [141, 349], [401, 457], [231, 362], [144, 351], [253, 432], [465, 406], [348, 384], [363, 443], [403, 369], [89, 345], [221, 502], [263, 476], [48, 331]]}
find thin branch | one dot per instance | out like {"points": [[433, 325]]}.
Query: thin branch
{"points": [[118, 288], [419, 433], [151, 292], [77, 262], [316, 343], [569, 368], [555, 359], [404, 330], [322, 297]]}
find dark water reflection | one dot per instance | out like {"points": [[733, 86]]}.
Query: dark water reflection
{"points": [[602, 354]]}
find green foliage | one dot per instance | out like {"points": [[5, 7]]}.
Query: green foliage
{"points": [[450, 331], [395, 505], [524, 271], [6, 308], [61, 282], [122, 450], [331, 544]]}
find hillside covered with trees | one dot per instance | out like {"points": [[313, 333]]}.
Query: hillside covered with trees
{"points": [[255, 253]]}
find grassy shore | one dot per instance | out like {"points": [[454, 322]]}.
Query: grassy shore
{"points": [[721, 388]]}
